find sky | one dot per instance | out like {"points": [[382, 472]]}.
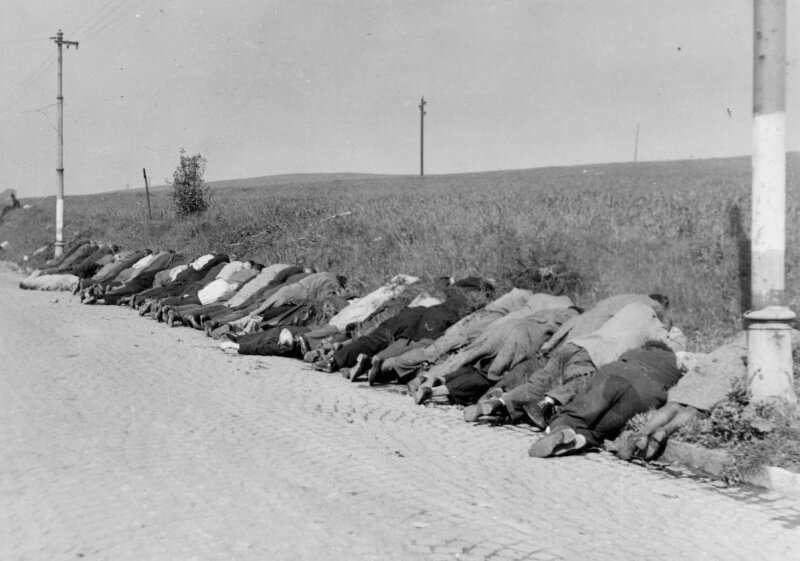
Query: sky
{"points": [[266, 87]]}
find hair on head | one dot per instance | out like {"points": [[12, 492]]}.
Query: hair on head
{"points": [[656, 345], [660, 298]]}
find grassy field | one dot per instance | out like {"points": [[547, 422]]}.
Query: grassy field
{"points": [[679, 228]]}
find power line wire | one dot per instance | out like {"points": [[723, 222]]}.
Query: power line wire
{"points": [[14, 96], [37, 110], [104, 21], [51, 60], [7, 41], [86, 22], [92, 26]]}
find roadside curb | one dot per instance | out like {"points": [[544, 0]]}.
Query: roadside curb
{"points": [[713, 462]]}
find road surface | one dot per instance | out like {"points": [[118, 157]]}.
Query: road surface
{"points": [[122, 438]]}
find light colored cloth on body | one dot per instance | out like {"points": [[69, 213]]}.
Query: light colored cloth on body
{"points": [[50, 282], [201, 261], [468, 328], [594, 318], [221, 288], [316, 286], [358, 311], [507, 341], [628, 329], [175, 271], [265, 277], [424, 300], [229, 269]]}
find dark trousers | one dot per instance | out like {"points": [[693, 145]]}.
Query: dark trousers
{"points": [[266, 343], [601, 410], [370, 344], [563, 375], [182, 300], [134, 286], [196, 311], [467, 384]]}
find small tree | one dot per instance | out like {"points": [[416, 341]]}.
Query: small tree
{"points": [[190, 194]]}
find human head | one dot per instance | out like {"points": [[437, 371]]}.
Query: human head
{"points": [[660, 298], [441, 283], [655, 344], [475, 284]]}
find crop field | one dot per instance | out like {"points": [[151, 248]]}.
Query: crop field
{"points": [[678, 228]]}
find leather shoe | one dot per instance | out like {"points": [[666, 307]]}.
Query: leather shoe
{"points": [[413, 385], [326, 365], [360, 368], [423, 394], [374, 371], [561, 441], [488, 408]]}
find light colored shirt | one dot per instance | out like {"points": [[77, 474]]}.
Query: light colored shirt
{"points": [[144, 261], [357, 311], [595, 317], [313, 287], [213, 291], [265, 277], [424, 300], [221, 287], [229, 269], [628, 329], [201, 261], [175, 271]]}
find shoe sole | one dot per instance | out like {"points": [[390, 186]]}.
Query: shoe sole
{"points": [[423, 394], [553, 444], [360, 367], [374, 372]]}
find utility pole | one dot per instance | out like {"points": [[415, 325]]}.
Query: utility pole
{"points": [[59, 248], [636, 145], [422, 104], [769, 335], [147, 192]]}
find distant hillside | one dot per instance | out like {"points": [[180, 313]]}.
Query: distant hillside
{"points": [[283, 179], [290, 178], [629, 169]]}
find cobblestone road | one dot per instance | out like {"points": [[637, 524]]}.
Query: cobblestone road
{"points": [[124, 439]]}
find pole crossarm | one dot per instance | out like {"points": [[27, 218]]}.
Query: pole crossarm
{"points": [[59, 40]]}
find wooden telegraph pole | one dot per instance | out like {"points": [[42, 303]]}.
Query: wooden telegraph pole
{"points": [[422, 104], [147, 192], [59, 247]]}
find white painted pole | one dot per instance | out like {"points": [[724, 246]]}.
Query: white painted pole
{"points": [[59, 246], [769, 334]]}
